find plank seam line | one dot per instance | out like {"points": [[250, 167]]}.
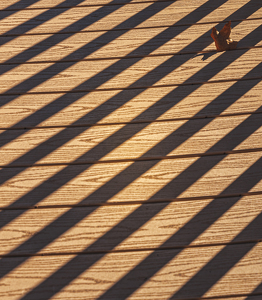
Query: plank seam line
{"points": [[86, 5], [133, 250], [122, 57], [132, 28], [131, 203], [131, 88], [110, 161], [134, 122]]}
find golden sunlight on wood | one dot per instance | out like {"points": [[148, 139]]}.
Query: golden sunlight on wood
{"points": [[59, 143], [30, 180], [206, 100], [74, 43], [6, 3], [247, 271], [18, 19], [226, 9], [130, 150], [223, 174], [22, 275], [63, 20], [185, 266], [119, 15]]}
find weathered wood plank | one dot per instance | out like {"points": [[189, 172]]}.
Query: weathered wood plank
{"points": [[149, 71], [207, 271], [125, 106], [116, 142], [94, 45], [108, 17], [126, 227], [139, 181]]}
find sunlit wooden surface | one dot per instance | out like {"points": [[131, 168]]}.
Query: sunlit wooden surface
{"points": [[130, 150]]}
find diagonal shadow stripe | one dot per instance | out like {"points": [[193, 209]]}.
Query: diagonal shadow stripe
{"points": [[134, 20], [127, 285], [174, 62], [102, 193], [79, 25], [244, 183], [182, 182], [96, 114], [42, 191], [100, 113], [119, 137], [188, 234], [111, 71], [50, 14], [6, 12], [5, 136], [23, 4], [53, 40], [258, 290], [211, 272]]}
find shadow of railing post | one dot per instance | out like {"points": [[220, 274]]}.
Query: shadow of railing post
{"points": [[67, 267]]}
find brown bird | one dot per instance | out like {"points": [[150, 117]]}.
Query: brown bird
{"points": [[222, 39]]}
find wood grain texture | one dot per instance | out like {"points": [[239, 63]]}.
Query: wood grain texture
{"points": [[63, 230], [149, 71], [79, 18], [116, 142], [94, 45], [108, 17], [214, 271], [130, 105], [138, 181], [179, 228], [29, 4]]}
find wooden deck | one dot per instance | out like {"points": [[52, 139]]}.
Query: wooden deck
{"points": [[130, 150]]}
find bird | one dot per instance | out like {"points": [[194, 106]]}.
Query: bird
{"points": [[222, 38]]}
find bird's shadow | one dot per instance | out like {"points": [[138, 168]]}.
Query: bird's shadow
{"points": [[205, 56]]}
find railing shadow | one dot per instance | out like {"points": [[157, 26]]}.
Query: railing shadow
{"points": [[126, 286]]}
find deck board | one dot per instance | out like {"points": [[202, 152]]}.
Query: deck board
{"points": [[137, 269], [32, 4], [128, 227], [131, 181], [108, 17], [130, 73], [130, 105], [37, 48], [66, 145]]}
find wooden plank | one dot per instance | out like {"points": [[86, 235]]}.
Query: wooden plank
{"points": [[115, 74], [94, 45], [108, 17], [79, 18], [73, 19], [125, 106], [137, 275], [139, 181], [65, 145], [64, 230], [29, 4]]}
